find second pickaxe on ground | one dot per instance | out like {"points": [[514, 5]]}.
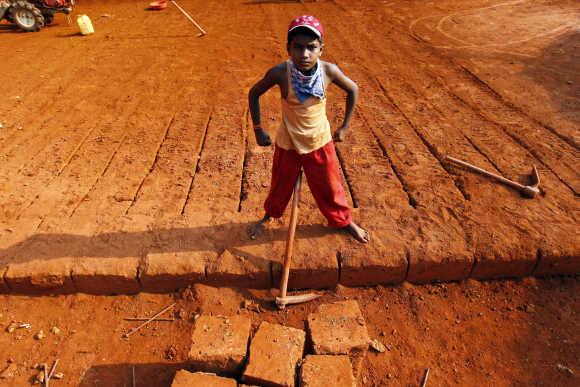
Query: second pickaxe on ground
{"points": [[528, 191]]}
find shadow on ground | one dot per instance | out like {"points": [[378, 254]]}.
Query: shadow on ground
{"points": [[556, 69], [121, 375], [137, 244]]}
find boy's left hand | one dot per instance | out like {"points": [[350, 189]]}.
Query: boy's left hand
{"points": [[340, 134]]}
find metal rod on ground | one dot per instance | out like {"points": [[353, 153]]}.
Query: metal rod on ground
{"points": [[134, 382], [53, 368], [189, 17], [45, 371], [126, 335], [424, 383]]}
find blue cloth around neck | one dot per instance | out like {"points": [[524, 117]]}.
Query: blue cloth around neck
{"points": [[305, 86]]}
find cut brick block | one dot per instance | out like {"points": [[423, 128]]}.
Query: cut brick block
{"points": [[50, 276], [167, 272], [3, 285], [499, 255], [558, 263], [185, 378], [514, 263], [430, 263], [340, 329], [312, 267], [384, 261], [97, 275], [246, 271], [326, 371], [274, 355], [439, 252], [219, 344]]}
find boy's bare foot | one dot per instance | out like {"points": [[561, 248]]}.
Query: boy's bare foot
{"points": [[358, 232], [257, 228]]}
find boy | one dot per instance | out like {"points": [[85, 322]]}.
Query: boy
{"points": [[303, 139]]}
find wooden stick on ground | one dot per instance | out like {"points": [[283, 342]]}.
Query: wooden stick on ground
{"points": [[45, 371], [147, 318], [126, 335], [53, 368], [424, 383], [190, 18]]}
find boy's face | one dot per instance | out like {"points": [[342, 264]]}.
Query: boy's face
{"points": [[304, 51]]}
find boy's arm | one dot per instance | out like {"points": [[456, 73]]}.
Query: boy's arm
{"points": [[346, 84], [263, 85]]}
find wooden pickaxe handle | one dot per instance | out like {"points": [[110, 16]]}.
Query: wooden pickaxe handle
{"points": [[290, 239], [189, 17], [502, 179]]}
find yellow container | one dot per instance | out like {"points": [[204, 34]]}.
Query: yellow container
{"points": [[85, 25]]}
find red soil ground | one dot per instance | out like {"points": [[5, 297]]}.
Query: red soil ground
{"points": [[488, 333], [113, 144]]}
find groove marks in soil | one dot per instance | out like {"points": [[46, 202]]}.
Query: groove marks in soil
{"points": [[195, 167], [421, 134], [244, 185], [99, 177], [153, 164], [486, 86], [347, 178], [411, 198]]}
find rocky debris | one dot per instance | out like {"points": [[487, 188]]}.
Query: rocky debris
{"points": [[58, 376], [40, 335], [170, 353], [251, 306], [9, 372], [377, 346], [17, 325]]}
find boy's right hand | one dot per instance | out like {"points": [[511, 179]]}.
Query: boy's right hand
{"points": [[262, 138]]}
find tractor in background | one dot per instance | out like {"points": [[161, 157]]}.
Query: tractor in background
{"points": [[32, 15]]}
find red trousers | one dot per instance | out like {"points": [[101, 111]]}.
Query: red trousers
{"points": [[323, 175]]}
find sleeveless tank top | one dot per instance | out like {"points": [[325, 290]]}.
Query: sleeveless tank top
{"points": [[304, 127]]}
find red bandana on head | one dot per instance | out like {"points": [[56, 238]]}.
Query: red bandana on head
{"points": [[309, 22]]}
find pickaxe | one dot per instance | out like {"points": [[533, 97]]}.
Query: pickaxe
{"points": [[284, 299], [528, 191]]}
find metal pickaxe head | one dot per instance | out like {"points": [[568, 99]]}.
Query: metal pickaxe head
{"points": [[297, 299], [532, 189]]}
